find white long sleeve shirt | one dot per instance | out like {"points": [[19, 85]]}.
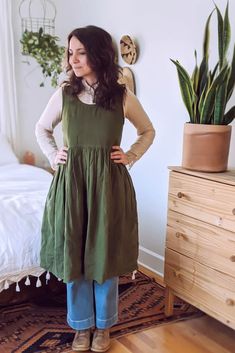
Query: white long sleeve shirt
{"points": [[133, 111]]}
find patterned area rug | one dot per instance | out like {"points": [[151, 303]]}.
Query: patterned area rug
{"points": [[40, 326]]}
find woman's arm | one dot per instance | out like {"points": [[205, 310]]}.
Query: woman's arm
{"points": [[50, 117], [135, 113]]}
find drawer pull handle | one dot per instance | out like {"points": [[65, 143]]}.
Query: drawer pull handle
{"points": [[232, 258], [176, 273], [180, 195], [233, 211], [230, 302], [178, 235]]}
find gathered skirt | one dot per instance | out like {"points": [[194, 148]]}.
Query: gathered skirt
{"points": [[90, 224]]}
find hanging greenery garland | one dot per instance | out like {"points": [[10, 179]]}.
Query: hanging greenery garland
{"points": [[44, 49]]}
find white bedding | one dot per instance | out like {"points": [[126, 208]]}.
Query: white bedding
{"points": [[23, 191]]}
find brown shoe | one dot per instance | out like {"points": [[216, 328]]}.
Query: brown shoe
{"points": [[82, 340], [101, 341]]}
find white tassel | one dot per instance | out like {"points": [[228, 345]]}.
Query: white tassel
{"points": [[39, 283], [17, 287], [133, 275], [6, 284], [27, 282], [47, 276], [59, 279]]}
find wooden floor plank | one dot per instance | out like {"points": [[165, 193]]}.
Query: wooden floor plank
{"points": [[131, 343], [118, 347], [200, 335]]}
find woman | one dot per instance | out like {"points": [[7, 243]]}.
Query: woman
{"points": [[89, 230]]}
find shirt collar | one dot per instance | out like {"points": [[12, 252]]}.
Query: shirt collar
{"points": [[89, 88]]}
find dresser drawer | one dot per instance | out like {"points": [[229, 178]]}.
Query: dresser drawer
{"points": [[206, 200], [208, 289], [207, 244]]}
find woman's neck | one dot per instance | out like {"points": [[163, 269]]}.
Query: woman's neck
{"points": [[91, 80], [88, 85]]}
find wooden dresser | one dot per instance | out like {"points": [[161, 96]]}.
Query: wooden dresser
{"points": [[200, 242]]}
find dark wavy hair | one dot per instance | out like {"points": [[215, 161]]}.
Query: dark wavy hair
{"points": [[102, 59]]}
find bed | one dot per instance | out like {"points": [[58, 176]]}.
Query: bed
{"points": [[23, 190]]}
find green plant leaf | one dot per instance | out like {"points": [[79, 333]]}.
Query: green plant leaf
{"points": [[203, 76], [185, 88], [184, 73], [187, 98], [208, 91], [45, 50], [220, 37], [214, 72], [229, 116], [220, 100], [195, 82], [206, 39], [195, 75], [231, 81], [227, 32], [203, 69], [208, 104], [196, 116], [202, 98]]}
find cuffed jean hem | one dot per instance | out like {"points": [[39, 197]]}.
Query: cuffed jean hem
{"points": [[103, 324], [81, 324]]}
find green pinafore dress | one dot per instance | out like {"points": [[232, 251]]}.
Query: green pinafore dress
{"points": [[90, 225]]}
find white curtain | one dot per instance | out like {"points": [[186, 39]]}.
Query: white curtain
{"points": [[8, 100]]}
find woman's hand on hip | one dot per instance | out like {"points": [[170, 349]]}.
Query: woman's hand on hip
{"points": [[61, 156], [119, 156]]}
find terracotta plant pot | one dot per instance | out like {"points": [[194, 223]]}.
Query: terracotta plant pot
{"points": [[206, 147]]}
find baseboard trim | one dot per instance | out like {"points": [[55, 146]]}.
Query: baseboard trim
{"points": [[151, 261], [151, 273]]}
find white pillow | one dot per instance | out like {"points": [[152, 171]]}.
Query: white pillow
{"points": [[7, 155]]}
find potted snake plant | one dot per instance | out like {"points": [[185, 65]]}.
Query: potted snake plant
{"points": [[205, 94]]}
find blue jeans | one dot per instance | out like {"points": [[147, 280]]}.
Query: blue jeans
{"points": [[92, 304]]}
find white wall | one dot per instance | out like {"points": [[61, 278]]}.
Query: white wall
{"points": [[163, 30]]}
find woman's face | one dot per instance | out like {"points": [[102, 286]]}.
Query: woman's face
{"points": [[79, 62]]}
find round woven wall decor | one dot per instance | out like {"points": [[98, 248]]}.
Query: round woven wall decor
{"points": [[128, 49]]}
